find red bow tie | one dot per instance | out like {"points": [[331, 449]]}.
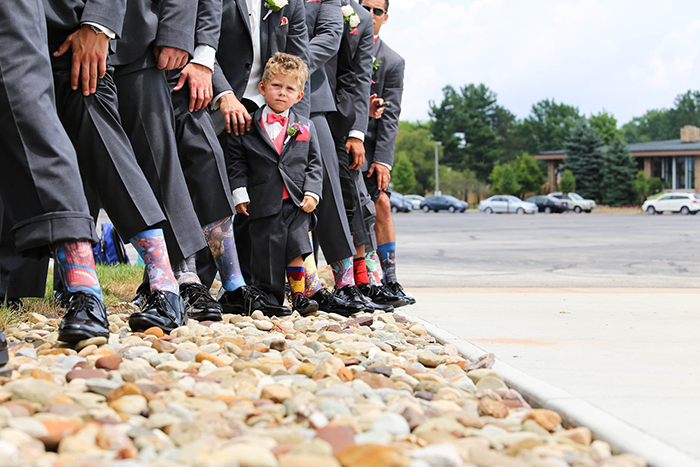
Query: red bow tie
{"points": [[272, 118]]}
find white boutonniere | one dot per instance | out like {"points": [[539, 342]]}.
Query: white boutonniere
{"points": [[350, 16], [375, 65], [274, 5]]}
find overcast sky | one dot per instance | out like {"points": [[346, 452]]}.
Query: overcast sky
{"points": [[622, 55]]}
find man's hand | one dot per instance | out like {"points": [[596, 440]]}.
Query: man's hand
{"points": [[383, 175], [308, 204], [235, 114], [376, 106], [356, 149], [170, 58], [89, 58], [242, 208], [198, 78]]}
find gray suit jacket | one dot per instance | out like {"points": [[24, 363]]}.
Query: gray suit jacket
{"points": [[324, 21], [387, 83], [151, 23], [208, 27], [253, 163], [234, 56], [63, 17]]}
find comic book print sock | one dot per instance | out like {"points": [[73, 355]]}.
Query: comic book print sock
{"points": [[296, 279], [76, 264], [342, 273], [374, 268], [313, 281], [359, 269], [387, 253], [150, 244], [219, 236]]}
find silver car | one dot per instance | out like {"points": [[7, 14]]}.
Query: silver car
{"points": [[506, 204], [415, 200]]}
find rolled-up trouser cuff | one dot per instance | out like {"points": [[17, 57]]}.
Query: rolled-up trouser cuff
{"points": [[33, 236]]}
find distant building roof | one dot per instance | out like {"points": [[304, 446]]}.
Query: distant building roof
{"points": [[672, 147]]}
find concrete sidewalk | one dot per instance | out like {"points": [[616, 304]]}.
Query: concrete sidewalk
{"points": [[634, 354]]}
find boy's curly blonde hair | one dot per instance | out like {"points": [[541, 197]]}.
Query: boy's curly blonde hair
{"points": [[286, 64]]}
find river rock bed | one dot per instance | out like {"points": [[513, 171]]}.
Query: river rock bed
{"points": [[253, 391]]}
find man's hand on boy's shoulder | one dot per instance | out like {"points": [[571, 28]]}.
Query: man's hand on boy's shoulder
{"points": [[308, 204], [243, 208]]}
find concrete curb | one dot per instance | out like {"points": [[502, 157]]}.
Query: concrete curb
{"points": [[623, 437]]}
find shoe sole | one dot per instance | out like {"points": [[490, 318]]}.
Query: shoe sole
{"points": [[4, 357], [205, 316], [75, 335], [139, 322]]}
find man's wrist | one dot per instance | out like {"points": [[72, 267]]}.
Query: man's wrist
{"points": [[204, 55], [215, 101], [357, 134], [99, 29]]}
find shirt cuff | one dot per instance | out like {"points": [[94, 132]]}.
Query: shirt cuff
{"points": [[204, 55], [108, 32], [313, 195], [240, 196], [357, 134], [215, 100], [384, 164]]}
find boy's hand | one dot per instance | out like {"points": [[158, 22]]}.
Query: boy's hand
{"points": [[308, 204], [243, 208]]}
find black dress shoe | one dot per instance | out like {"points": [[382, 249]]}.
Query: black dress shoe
{"points": [[396, 288], [3, 350], [142, 293], [381, 295], [304, 305], [165, 310], [246, 299], [332, 303], [13, 304], [85, 317], [353, 296], [371, 307], [199, 303]]}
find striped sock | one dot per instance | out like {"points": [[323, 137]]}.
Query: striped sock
{"points": [[296, 279], [342, 272], [76, 264], [150, 245]]}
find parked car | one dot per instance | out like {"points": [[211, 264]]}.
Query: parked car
{"points": [[685, 203], [548, 203], [507, 204], [576, 202], [443, 202], [399, 204], [415, 200]]}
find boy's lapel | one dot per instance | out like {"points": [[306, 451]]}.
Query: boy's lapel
{"points": [[257, 119], [289, 140]]}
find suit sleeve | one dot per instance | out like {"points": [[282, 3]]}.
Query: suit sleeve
{"points": [[363, 70], [388, 125], [326, 37], [298, 44], [219, 82], [236, 162], [313, 181], [176, 25], [108, 13], [208, 23]]}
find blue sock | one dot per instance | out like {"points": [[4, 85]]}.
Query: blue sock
{"points": [[219, 236], [387, 254]]}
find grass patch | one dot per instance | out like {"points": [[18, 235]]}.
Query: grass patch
{"points": [[118, 283]]}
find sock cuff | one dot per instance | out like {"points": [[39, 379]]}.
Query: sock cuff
{"points": [[296, 269], [384, 248], [151, 233]]}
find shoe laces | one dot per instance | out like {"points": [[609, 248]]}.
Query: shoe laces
{"points": [[82, 301], [156, 298], [196, 291], [251, 294]]}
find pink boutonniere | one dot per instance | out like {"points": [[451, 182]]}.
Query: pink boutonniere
{"points": [[302, 132], [354, 31], [285, 21]]}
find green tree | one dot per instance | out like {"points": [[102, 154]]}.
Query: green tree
{"points": [[465, 123], [457, 183], [528, 174], [585, 160], [655, 185], [548, 125], [503, 180], [619, 174], [402, 175], [413, 141], [606, 126], [665, 124], [567, 183], [641, 185]]}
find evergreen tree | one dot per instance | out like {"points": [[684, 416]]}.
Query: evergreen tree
{"points": [[619, 174], [584, 159], [528, 173], [641, 185], [402, 175], [503, 180], [567, 183]]}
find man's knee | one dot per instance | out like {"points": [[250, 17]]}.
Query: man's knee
{"points": [[383, 205]]}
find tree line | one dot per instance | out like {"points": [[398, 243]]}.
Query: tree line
{"points": [[485, 147]]}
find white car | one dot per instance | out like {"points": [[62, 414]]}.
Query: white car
{"points": [[576, 202], [506, 204], [685, 203], [415, 200]]}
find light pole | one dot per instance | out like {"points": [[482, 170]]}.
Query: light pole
{"points": [[437, 173]]}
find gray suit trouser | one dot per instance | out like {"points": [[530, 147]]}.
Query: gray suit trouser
{"points": [[147, 117], [40, 183]]}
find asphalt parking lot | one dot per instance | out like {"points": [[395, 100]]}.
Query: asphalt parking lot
{"points": [[547, 250]]}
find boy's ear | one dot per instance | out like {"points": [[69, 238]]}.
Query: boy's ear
{"points": [[301, 94], [261, 88]]}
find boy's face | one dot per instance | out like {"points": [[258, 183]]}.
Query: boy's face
{"points": [[378, 20], [281, 92]]}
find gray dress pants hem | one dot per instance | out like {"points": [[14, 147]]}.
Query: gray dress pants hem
{"points": [[34, 235]]}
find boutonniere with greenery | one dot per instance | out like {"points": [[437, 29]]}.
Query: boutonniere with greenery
{"points": [[274, 6], [297, 129], [350, 16], [375, 65]]}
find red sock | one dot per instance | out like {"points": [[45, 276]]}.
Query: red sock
{"points": [[359, 269]]}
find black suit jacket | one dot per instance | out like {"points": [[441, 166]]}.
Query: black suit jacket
{"points": [[234, 57], [387, 83], [253, 163]]}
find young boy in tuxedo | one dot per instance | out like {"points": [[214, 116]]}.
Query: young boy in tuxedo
{"points": [[276, 177]]}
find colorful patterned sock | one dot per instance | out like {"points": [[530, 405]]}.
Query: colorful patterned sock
{"points": [[342, 272], [295, 277], [374, 268], [313, 282], [76, 264], [150, 245], [219, 237], [359, 269], [387, 253]]}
